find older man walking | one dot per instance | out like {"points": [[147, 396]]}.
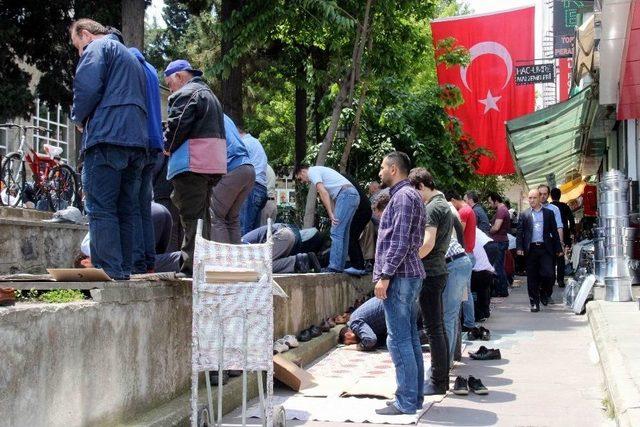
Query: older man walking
{"points": [[195, 143], [109, 107], [398, 275]]}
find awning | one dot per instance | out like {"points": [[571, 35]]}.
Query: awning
{"points": [[584, 53], [572, 190], [551, 141]]}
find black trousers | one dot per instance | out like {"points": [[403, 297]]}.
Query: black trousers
{"points": [[433, 317], [560, 265], [360, 220], [175, 241], [540, 273], [191, 193], [481, 285]]}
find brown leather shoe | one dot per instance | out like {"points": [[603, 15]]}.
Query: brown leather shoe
{"points": [[7, 297]]}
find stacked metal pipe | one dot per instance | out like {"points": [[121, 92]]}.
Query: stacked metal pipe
{"points": [[611, 258]]}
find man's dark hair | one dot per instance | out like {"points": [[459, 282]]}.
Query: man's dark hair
{"points": [[555, 194], [381, 201], [299, 168], [495, 197], [507, 204], [451, 194], [116, 32], [544, 186], [401, 160], [90, 25], [473, 195], [342, 334], [422, 176]]}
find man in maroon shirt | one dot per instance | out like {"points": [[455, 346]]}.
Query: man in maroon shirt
{"points": [[500, 225]]}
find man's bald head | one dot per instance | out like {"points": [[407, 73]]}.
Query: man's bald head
{"points": [[534, 198]]}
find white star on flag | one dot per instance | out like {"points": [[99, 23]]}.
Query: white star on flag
{"points": [[490, 102]]}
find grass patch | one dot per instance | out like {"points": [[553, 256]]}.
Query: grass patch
{"points": [[61, 295]]}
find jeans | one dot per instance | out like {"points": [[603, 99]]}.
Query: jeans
{"points": [[144, 251], [346, 204], [403, 342], [459, 275], [251, 208], [468, 311], [503, 284], [111, 182], [433, 317]]}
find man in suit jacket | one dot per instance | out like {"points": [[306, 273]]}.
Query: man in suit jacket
{"points": [[539, 241]]}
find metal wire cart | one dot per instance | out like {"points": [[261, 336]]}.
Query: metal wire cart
{"points": [[232, 326]]}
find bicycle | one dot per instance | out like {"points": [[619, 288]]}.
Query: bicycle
{"points": [[53, 180]]}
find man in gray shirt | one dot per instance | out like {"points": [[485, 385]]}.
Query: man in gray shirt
{"points": [[482, 219]]}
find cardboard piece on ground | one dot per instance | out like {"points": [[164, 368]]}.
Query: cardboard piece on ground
{"points": [[291, 374], [325, 387], [79, 275], [379, 387]]}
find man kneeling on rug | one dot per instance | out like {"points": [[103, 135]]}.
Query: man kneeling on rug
{"points": [[366, 326]]}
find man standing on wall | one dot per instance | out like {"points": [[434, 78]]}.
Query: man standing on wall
{"points": [[257, 199], [398, 275], [109, 107], [333, 188]]}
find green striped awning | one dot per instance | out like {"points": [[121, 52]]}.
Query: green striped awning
{"points": [[552, 140]]}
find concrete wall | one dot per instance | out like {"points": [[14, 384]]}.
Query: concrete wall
{"points": [[29, 245], [128, 350]]}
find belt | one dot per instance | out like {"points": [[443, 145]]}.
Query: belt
{"points": [[454, 257], [271, 198], [537, 243]]}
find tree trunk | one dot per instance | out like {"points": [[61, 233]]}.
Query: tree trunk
{"points": [[301, 115], [350, 78], [353, 134], [133, 23], [232, 85]]}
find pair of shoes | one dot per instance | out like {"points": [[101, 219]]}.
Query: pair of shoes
{"points": [[462, 386], [355, 272], [311, 332], [475, 334], [485, 335], [430, 389], [213, 376], [485, 353], [7, 297]]}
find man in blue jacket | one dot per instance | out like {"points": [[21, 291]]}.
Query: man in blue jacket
{"points": [[109, 107]]}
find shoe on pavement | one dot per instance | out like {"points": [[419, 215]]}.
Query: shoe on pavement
{"points": [[355, 272], [460, 386], [476, 386], [280, 347], [485, 335], [304, 336], [474, 334], [487, 354], [389, 410], [430, 389], [535, 308]]}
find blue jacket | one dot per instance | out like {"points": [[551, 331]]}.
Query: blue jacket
{"points": [[109, 96], [237, 154], [154, 115]]}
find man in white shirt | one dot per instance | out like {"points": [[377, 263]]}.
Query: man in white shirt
{"points": [[270, 209], [547, 289], [334, 190], [482, 276]]}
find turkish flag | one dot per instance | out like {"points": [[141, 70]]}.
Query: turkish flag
{"points": [[497, 43]]}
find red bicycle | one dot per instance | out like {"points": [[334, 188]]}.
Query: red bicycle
{"points": [[54, 182]]}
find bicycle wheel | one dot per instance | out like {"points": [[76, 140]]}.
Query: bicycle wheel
{"points": [[14, 178], [61, 187]]}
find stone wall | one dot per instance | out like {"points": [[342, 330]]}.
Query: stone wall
{"points": [[127, 351]]}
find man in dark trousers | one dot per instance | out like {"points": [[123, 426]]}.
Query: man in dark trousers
{"points": [[539, 242], [360, 220], [569, 227], [437, 235]]}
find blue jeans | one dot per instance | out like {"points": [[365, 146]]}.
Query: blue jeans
{"points": [[111, 182], [251, 208], [346, 205], [502, 282], [403, 342], [468, 311], [459, 276], [144, 251]]}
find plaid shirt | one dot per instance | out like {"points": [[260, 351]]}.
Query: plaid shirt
{"points": [[400, 234]]}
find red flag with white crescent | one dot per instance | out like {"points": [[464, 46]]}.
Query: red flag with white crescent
{"points": [[497, 42]]}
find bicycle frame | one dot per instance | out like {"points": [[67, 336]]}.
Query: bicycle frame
{"points": [[40, 165]]}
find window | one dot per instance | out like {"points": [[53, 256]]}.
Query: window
{"points": [[4, 141], [58, 124]]}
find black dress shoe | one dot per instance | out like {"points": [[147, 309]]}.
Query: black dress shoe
{"points": [[476, 386], [488, 354], [315, 331], [314, 263], [535, 308], [460, 386], [474, 334], [304, 336], [485, 335]]}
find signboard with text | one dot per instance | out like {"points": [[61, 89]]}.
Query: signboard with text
{"points": [[565, 20], [532, 74]]}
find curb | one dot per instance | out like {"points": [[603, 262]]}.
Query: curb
{"points": [[177, 412], [623, 391]]}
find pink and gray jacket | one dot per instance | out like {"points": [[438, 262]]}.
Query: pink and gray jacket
{"points": [[195, 133]]}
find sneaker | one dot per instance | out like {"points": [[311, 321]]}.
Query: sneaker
{"points": [[290, 341], [355, 272], [280, 347], [460, 387], [476, 386], [474, 334]]}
